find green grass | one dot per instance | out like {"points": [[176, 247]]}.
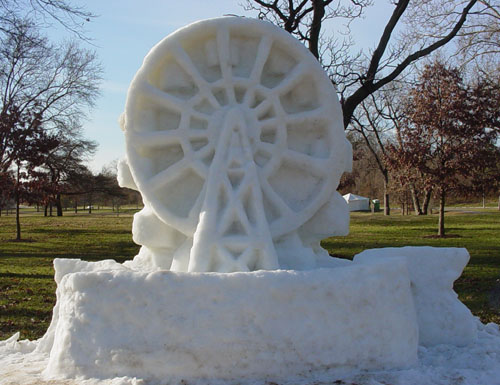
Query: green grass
{"points": [[27, 288]]}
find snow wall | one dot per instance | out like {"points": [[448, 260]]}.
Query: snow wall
{"points": [[266, 324], [111, 321]]}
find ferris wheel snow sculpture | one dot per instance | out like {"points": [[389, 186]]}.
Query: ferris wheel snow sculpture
{"points": [[235, 141]]}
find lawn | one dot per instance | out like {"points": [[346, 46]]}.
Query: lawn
{"points": [[27, 288]]}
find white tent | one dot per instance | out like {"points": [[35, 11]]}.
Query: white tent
{"points": [[357, 203]]}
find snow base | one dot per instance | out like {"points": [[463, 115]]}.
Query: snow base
{"points": [[442, 318], [260, 325], [476, 364]]}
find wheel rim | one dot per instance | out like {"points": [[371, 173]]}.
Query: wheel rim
{"points": [[180, 97]]}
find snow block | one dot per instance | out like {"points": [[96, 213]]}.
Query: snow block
{"points": [[442, 318], [265, 325]]}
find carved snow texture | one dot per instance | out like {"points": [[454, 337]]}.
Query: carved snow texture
{"points": [[234, 138]]}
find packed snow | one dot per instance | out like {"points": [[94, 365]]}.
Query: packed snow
{"points": [[476, 364], [266, 324], [442, 318]]}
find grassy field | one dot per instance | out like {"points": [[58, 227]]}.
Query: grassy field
{"points": [[27, 288]]}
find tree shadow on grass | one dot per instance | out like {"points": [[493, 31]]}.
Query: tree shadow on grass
{"points": [[79, 231], [435, 236], [24, 312], [23, 240], [20, 275], [97, 247]]}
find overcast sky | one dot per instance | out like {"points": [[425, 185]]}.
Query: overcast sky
{"points": [[124, 32]]}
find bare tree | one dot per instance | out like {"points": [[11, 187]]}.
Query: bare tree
{"points": [[374, 124], [425, 25], [63, 163], [44, 13], [59, 82], [479, 39]]}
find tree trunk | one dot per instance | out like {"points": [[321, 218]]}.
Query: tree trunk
{"points": [[59, 205], [18, 203], [18, 220], [315, 31], [76, 206], [45, 210], [441, 214], [484, 201], [416, 201], [50, 209], [387, 208], [427, 201]]}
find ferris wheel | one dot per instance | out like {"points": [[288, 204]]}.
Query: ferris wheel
{"points": [[233, 122]]}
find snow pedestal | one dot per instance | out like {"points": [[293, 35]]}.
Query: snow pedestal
{"points": [[442, 318], [262, 325], [372, 313]]}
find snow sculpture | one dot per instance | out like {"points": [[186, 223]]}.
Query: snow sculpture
{"points": [[235, 140], [258, 327], [442, 318]]}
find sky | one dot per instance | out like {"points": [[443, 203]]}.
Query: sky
{"points": [[125, 31]]}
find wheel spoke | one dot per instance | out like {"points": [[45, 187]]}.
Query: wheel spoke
{"points": [[184, 123], [154, 139], [262, 54], [307, 162], [223, 41], [275, 122], [268, 148], [187, 64], [200, 168], [275, 199], [199, 115], [292, 78], [166, 176], [204, 151], [304, 116], [162, 98], [263, 107]]}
